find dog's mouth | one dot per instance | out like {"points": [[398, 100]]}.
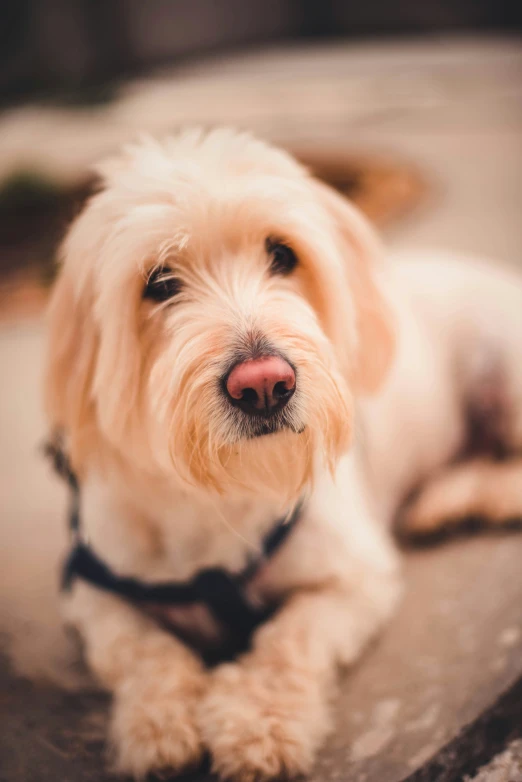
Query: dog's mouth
{"points": [[244, 426], [270, 427], [262, 427]]}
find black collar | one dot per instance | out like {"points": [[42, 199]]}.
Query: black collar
{"points": [[223, 593]]}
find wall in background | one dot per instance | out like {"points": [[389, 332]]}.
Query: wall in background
{"points": [[73, 48]]}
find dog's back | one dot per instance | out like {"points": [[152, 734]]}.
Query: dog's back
{"points": [[456, 390]]}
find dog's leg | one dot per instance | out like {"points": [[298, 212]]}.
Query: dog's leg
{"points": [[266, 716], [155, 680], [477, 489]]}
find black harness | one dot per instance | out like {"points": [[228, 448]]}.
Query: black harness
{"points": [[222, 593]]}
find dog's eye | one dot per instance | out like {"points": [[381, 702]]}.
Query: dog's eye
{"points": [[283, 259], [161, 285]]}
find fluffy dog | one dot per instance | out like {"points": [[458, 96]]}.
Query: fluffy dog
{"points": [[227, 345]]}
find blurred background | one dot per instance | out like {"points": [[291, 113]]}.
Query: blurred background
{"points": [[387, 99], [84, 47], [413, 108]]}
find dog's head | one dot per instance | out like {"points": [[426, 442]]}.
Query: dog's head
{"points": [[214, 315]]}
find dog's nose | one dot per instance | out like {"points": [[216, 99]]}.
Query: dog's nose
{"points": [[261, 386]]}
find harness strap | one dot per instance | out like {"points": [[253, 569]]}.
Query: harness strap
{"points": [[223, 593]]}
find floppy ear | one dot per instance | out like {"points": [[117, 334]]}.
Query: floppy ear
{"points": [[360, 251], [71, 352], [87, 366]]}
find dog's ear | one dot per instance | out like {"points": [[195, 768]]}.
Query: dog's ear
{"points": [[360, 250], [71, 355], [92, 375]]}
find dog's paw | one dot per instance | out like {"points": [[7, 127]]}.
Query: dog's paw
{"points": [[154, 726], [262, 724]]}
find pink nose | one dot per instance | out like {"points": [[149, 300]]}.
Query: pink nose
{"points": [[262, 385]]}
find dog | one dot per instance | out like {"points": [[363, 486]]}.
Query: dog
{"points": [[247, 389]]}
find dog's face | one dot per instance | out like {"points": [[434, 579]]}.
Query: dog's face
{"points": [[214, 315]]}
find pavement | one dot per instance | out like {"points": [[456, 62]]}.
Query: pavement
{"points": [[452, 108]]}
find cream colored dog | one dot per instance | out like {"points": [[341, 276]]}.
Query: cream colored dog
{"points": [[225, 342]]}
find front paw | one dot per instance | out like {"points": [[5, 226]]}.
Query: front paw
{"points": [[262, 723], [154, 724]]}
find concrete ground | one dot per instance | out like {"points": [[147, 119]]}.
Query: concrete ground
{"points": [[453, 108]]}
